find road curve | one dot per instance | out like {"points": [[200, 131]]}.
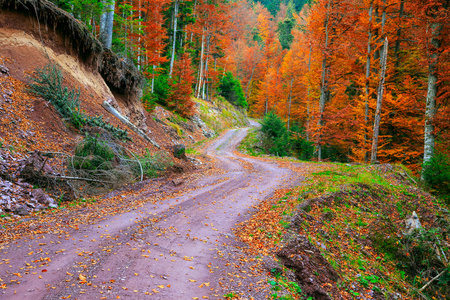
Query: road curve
{"points": [[165, 249]]}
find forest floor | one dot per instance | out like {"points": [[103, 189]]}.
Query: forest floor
{"points": [[169, 239]]}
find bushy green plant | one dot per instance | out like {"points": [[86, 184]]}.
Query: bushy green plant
{"points": [[231, 89], [302, 148], [436, 174], [161, 89], [152, 164], [93, 154], [48, 84], [276, 138]]}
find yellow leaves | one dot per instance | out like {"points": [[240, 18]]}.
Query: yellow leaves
{"points": [[203, 284], [69, 274], [188, 258], [136, 274], [161, 286], [144, 255], [192, 280]]}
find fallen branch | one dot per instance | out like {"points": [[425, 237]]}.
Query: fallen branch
{"points": [[140, 165], [433, 279], [79, 178], [124, 120]]}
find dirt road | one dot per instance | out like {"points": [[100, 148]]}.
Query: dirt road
{"points": [[168, 248]]}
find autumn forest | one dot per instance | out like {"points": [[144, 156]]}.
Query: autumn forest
{"points": [[357, 80]]}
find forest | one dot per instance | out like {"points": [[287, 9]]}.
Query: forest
{"points": [[353, 81]]}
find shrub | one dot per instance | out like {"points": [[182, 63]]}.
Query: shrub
{"points": [[93, 154], [436, 174], [152, 164], [231, 89], [302, 148], [276, 138], [161, 89], [48, 84]]}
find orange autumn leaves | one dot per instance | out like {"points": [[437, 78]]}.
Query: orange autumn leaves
{"points": [[330, 53]]}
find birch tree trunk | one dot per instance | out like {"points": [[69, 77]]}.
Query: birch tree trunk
{"points": [[376, 125], [324, 86], [202, 52], [205, 79], [430, 110], [174, 38], [106, 23], [103, 17], [367, 88]]}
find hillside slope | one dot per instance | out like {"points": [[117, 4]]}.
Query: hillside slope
{"points": [[35, 34]]}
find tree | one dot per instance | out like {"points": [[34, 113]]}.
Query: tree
{"points": [[181, 87], [434, 11], [285, 32], [231, 89]]}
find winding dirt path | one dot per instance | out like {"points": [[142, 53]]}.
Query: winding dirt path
{"points": [[168, 248]]}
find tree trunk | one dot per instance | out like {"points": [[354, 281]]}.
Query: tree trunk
{"points": [[174, 38], [249, 82], [367, 88], [205, 79], [376, 125], [307, 96], [103, 17], [430, 110], [107, 22], [323, 87], [399, 34], [202, 52], [290, 102]]}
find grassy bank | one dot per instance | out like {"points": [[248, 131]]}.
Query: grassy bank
{"points": [[342, 234]]}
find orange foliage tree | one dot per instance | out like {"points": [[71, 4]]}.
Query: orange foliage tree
{"points": [[181, 87]]}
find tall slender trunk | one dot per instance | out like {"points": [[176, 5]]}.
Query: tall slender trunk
{"points": [[202, 52], [249, 82], [103, 17], [376, 125], [174, 38], [399, 34], [290, 103], [153, 79], [383, 24], [324, 86], [195, 16], [205, 79], [267, 106], [139, 38], [430, 110], [307, 96], [367, 88], [108, 19]]}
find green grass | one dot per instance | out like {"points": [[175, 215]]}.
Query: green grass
{"points": [[247, 145]]}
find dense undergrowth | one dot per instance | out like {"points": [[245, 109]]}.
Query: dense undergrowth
{"points": [[111, 165], [355, 217]]}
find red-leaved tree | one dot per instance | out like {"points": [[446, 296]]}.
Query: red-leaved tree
{"points": [[181, 87]]}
